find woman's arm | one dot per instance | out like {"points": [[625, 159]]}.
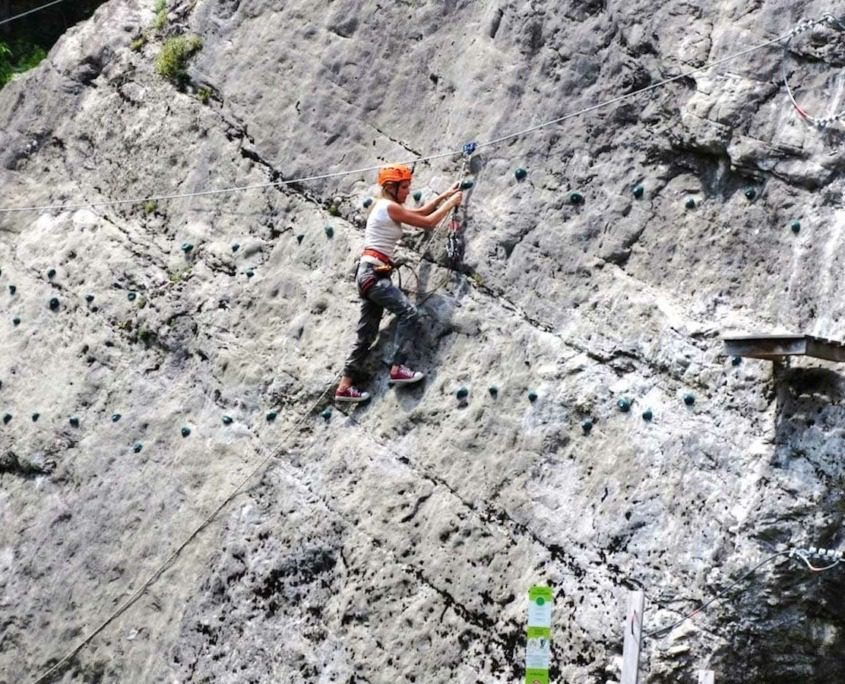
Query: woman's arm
{"points": [[402, 215], [431, 205]]}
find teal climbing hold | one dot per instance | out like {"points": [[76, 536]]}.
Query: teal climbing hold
{"points": [[16, 321], [623, 405], [368, 202], [689, 399], [7, 418], [250, 273], [467, 184], [12, 289], [227, 420], [417, 196], [137, 447], [54, 303], [186, 431], [235, 247], [586, 425], [532, 396], [299, 238], [115, 417], [35, 417], [647, 415], [520, 174], [74, 421], [750, 193], [576, 198], [736, 360], [493, 390], [89, 298], [462, 393], [796, 226], [326, 413], [638, 191], [690, 203], [329, 231], [271, 416], [51, 273], [187, 247], [131, 296]]}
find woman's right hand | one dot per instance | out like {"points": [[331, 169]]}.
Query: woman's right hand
{"points": [[456, 199]]}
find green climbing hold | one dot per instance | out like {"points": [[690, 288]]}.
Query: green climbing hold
{"points": [[12, 289], [647, 415], [54, 303], [115, 417], [51, 273], [462, 393], [186, 431], [137, 447], [89, 298], [623, 405], [736, 360], [520, 174], [576, 198], [250, 273], [689, 399], [417, 196], [131, 296], [7, 418], [750, 193], [532, 396], [796, 226], [368, 202], [638, 191], [334, 210], [16, 321], [690, 203], [227, 420], [494, 391], [35, 417], [271, 416], [299, 238], [329, 231], [467, 184], [326, 413], [74, 421], [586, 425], [187, 247], [235, 247]]}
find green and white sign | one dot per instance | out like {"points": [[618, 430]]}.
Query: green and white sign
{"points": [[538, 649]]}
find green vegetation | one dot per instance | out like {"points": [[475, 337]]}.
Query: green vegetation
{"points": [[150, 207], [17, 57], [160, 20], [204, 94], [173, 58]]}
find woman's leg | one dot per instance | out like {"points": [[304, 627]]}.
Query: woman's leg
{"points": [[367, 331], [388, 296]]}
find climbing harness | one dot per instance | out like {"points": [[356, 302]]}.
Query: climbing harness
{"points": [[803, 27]]}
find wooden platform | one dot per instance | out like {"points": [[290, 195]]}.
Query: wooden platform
{"points": [[776, 347]]}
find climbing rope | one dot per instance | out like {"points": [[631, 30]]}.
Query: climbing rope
{"points": [[801, 554], [36, 9], [803, 27], [496, 141]]}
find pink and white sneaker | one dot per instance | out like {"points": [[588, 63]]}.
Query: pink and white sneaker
{"points": [[404, 376], [351, 395]]}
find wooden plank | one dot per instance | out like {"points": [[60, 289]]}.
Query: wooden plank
{"points": [[633, 636], [706, 677], [825, 349], [766, 346]]}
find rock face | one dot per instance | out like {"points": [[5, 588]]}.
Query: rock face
{"points": [[397, 542]]}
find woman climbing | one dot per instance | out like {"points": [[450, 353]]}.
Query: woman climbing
{"points": [[377, 292]]}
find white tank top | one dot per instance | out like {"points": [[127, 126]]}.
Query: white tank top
{"points": [[382, 233]]}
